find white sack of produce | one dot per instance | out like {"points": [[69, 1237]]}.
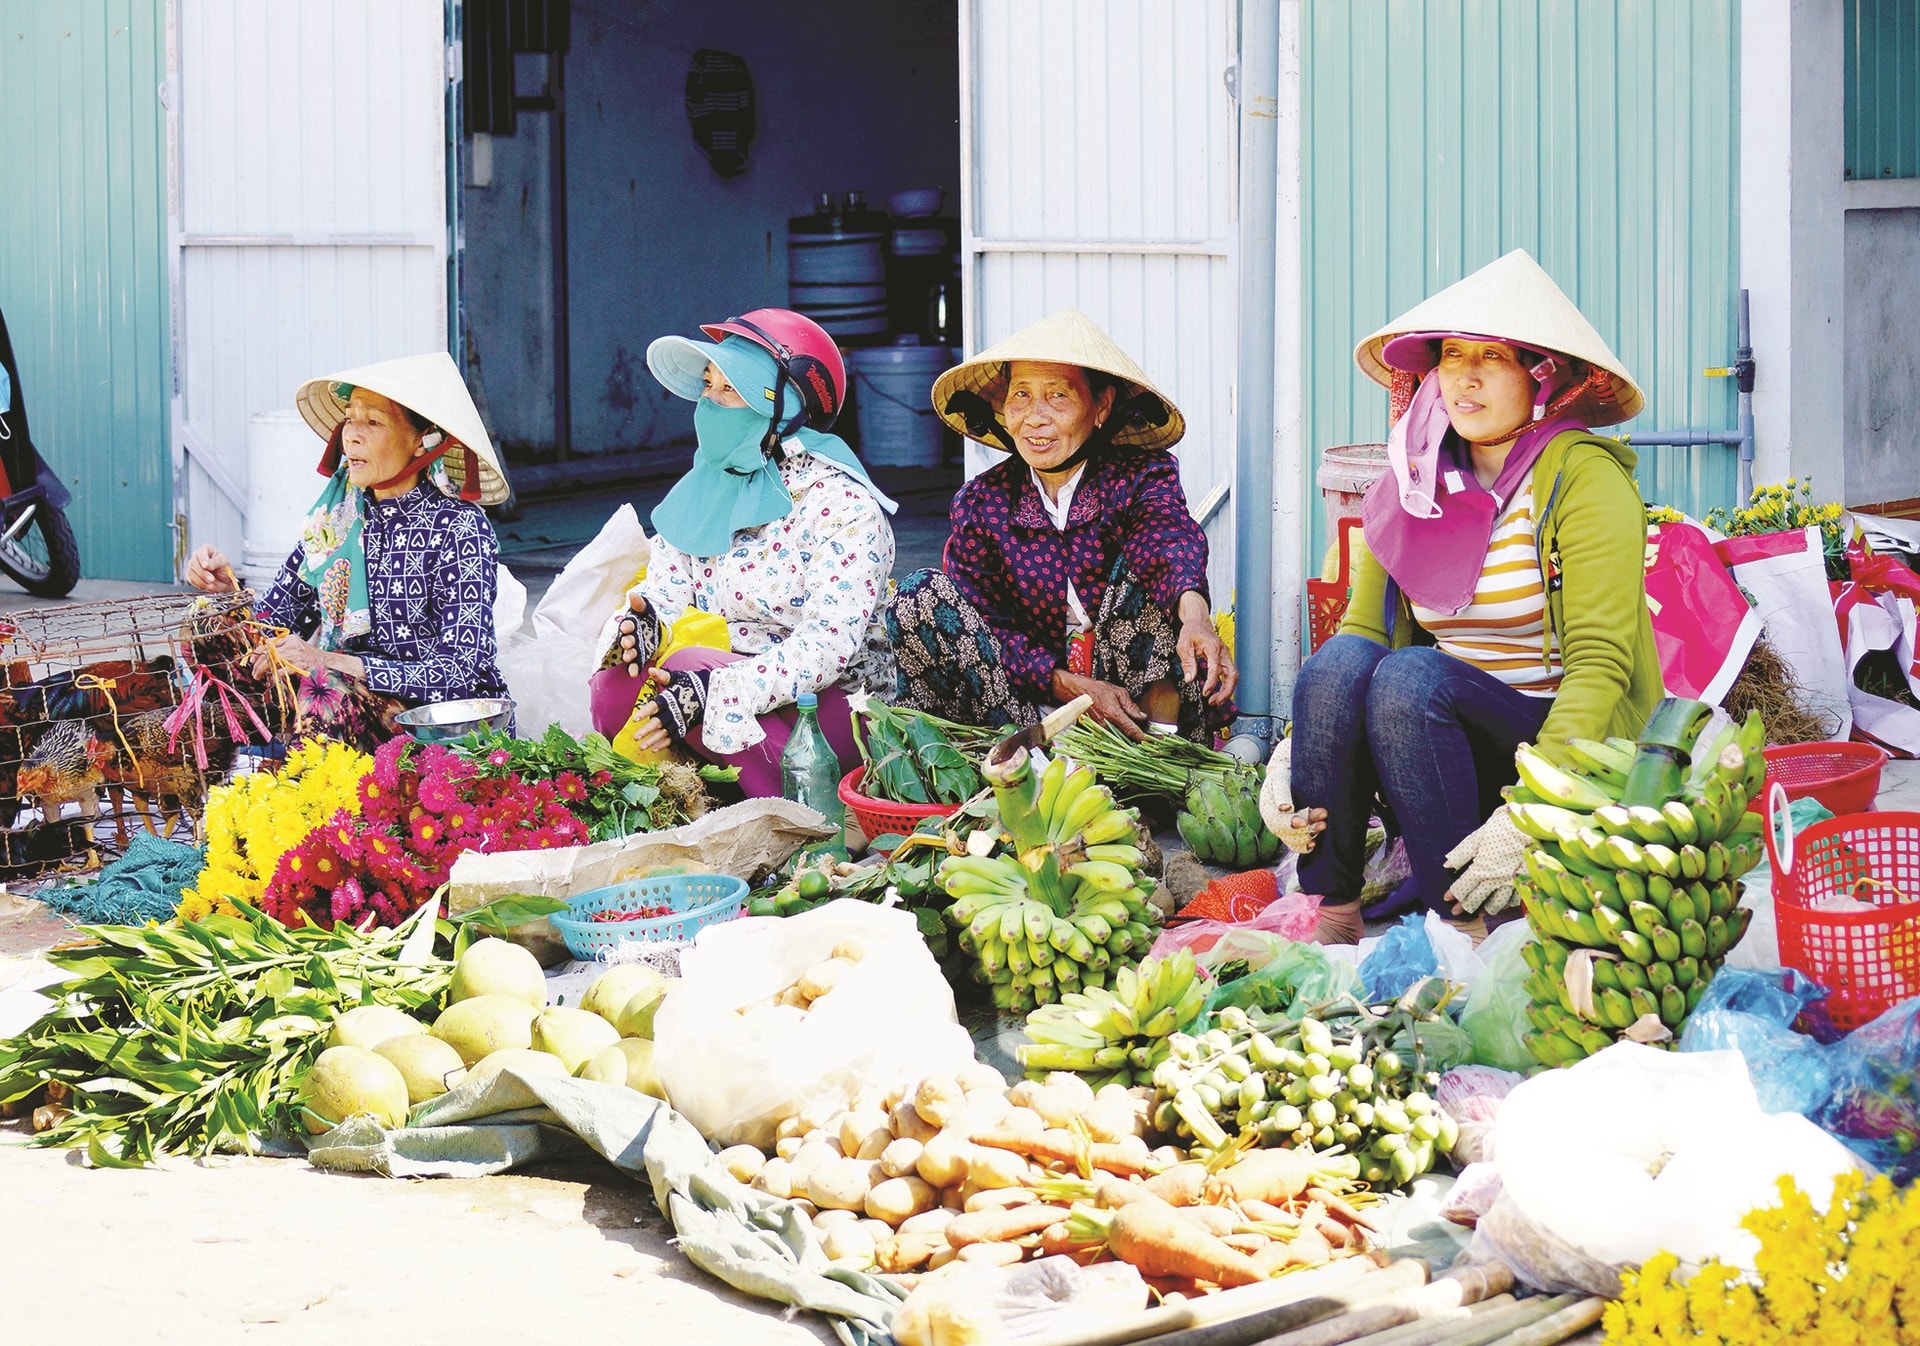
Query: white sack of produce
{"points": [[1635, 1150], [888, 1020]]}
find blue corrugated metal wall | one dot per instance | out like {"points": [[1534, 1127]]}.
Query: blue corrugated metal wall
{"points": [[1601, 137], [83, 269], [1883, 89]]}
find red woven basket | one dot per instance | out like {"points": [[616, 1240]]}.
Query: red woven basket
{"points": [[1844, 777], [877, 817], [1869, 960]]}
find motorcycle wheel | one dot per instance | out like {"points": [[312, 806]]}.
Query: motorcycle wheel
{"points": [[43, 558]]}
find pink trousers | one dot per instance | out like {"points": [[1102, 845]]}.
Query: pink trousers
{"points": [[612, 693]]}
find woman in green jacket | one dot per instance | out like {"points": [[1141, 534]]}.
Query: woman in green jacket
{"points": [[1499, 598]]}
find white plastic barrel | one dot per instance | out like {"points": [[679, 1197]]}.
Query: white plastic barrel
{"points": [[281, 486], [893, 389], [839, 280]]}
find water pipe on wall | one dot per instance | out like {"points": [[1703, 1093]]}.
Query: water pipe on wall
{"points": [[1259, 90], [1741, 372]]}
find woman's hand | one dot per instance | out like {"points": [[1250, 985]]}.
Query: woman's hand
{"points": [[306, 656], [1111, 704], [629, 641], [1200, 642], [209, 571], [649, 733]]}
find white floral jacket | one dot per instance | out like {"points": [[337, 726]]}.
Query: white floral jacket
{"points": [[805, 594]]}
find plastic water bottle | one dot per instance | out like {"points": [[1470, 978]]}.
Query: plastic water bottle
{"points": [[810, 773]]}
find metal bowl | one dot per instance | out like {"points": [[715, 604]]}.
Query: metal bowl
{"points": [[445, 721]]}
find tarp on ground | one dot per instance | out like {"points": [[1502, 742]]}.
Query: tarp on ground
{"points": [[757, 1243]]}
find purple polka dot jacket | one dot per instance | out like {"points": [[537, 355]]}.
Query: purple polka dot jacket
{"points": [[1129, 512]]}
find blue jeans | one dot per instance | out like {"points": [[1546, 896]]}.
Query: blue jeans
{"points": [[1430, 734]]}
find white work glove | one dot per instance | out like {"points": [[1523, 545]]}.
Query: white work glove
{"points": [[1488, 859], [1276, 801]]}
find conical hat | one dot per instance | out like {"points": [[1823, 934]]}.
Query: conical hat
{"points": [[427, 385], [1145, 416], [1513, 300]]}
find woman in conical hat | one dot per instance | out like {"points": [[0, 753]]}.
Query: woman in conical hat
{"points": [[387, 599], [778, 529], [1499, 598], [1074, 566]]}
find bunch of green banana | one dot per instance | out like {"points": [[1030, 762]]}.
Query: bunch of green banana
{"points": [[1352, 1077], [1635, 898], [1116, 1035], [1221, 821], [1066, 904]]}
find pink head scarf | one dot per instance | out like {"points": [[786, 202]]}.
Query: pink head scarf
{"points": [[1428, 521]]}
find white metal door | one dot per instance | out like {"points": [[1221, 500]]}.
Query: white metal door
{"points": [[1098, 172], [308, 211]]}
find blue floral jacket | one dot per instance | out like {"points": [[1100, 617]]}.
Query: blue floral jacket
{"points": [[430, 588]]}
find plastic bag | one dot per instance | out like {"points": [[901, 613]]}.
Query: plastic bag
{"points": [[595, 582], [1292, 978], [1786, 573], [1472, 1195], [1472, 1096], [1403, 956], [1495, 1015], [1634, 1150], [1053, 1298], [888, 1023], [1703, 628], [1759, 948], [1752, 1013], [1874, 1103], [1290, 917]]}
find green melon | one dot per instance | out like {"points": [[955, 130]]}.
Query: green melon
{"points": [[346, 1081], [485, 1024], [497, 967]]}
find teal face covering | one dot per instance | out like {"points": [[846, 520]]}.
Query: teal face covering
{"points": [[733, 485]]}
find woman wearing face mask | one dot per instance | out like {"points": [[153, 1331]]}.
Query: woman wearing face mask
{"points": [[777, 529], [387, 601], [1075, 566], [1499, 599]]}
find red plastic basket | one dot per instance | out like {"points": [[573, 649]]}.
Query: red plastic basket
{"points": [[1844, 777], [1327, 599], [1869, 960], [877, 817]]}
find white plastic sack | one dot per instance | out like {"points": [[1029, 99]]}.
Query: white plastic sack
{"points": [[1787, 575], [1759, 949], [509, 605], [547, 662], [1636, 1150], [888, 1023], [595, 580]]}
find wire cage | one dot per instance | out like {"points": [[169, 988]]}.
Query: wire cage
{"points": [[117, 715]]}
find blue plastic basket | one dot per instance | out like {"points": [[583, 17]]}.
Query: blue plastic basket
{"points": [[697, 900]]}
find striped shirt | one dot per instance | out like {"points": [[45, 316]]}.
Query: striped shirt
{"points": [[1503, 631]]}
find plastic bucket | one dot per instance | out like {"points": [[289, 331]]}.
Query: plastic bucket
{"points": [[893, 391], [1346, 473], [281, 486], [840, 281]]}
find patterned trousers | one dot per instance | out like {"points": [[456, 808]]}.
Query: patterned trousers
{"points": [[950, 662]]}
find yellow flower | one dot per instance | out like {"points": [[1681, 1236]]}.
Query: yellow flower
{"points": [[257, 819]]}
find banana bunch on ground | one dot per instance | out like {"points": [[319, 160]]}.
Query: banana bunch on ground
{"points": [[1117, 1035], [1352, 1077], [1221, 821], [1632, 882], [1054, 910]]}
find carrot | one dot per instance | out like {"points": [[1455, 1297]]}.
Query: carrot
{"points": [[1172, 1289], [1340, 1207], [1273, 1176], [1001, 1226], [1250, 1244], [1216, 1220], [1062, 1147], [1275, 1258], [1106, 1192], [1156, 1241], [1181, 1185], [999, 1198], [1308, 1248], [1266, 1213]]}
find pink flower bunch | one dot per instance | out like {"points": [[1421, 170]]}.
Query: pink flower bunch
{"points": [[420, 808]]}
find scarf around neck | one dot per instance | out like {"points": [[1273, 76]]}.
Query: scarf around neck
{"points": [[333, 559], [733, 485], [1428, 521]]}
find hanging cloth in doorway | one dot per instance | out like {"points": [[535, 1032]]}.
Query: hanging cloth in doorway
{"points": [[720, 109]]}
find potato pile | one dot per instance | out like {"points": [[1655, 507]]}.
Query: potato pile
{"points": [[911, 1179], [818, 981]]}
